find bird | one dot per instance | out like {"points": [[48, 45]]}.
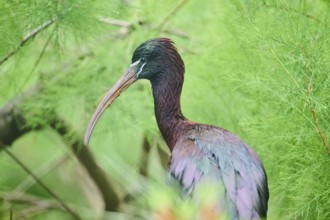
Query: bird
{"points": [[199, 152]]}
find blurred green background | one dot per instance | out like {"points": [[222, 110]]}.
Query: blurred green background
{"points": [[257, 68]]}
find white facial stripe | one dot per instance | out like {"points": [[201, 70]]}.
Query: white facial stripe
{"points": [[141, 68], [135, 63]]}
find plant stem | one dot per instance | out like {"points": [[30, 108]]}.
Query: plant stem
{"points": [[28, 37], [46, 188], [309, 101], [42, 171], [172, 13]]}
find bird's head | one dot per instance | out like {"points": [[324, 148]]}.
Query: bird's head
{"points": [[156, 57], [152, 60]]}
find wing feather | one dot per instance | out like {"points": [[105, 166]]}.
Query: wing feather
{"points": [[210, 154]]}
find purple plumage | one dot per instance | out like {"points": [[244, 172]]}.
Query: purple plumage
{"points": [[200, 153], [234, 165], [198, 148]]}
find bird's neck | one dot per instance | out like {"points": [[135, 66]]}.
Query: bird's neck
{"points": [[167, 92]]}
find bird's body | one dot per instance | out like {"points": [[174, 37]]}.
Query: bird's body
{"points": [[213, 155], [199, 153]]}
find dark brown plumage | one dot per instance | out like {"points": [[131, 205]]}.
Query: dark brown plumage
{"points": [[200, 153]]}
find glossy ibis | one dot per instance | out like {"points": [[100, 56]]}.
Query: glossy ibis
{"points": [[199, 152]]}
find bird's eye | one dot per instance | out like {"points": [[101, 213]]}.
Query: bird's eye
{"points": [[143, 60]]}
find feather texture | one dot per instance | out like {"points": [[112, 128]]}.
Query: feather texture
{"points": [[210, 154], [201, 154]]}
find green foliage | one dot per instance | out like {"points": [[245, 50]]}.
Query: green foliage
{"points": [[291, 89], [257, 68]]}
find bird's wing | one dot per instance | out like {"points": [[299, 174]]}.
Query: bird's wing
{"points": [[215, 155]]}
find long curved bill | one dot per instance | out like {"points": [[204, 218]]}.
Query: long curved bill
{"points": [[123, 83]]}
